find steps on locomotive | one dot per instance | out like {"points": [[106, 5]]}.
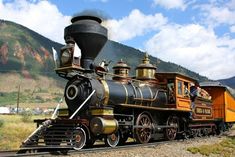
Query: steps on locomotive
{"points": [[59, 134]]}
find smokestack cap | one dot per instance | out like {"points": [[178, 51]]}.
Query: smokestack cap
{"points": [[89, 35], [85, 17]]}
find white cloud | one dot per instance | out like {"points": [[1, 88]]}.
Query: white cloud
{"points": [[231, 4], [232, 29], [171, 4], [196, 48], [133, 25], [193, 46], [215, 13], [40, 16]]}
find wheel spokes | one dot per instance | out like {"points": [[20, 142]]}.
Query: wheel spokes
{"points": [[171, 132], [113, 139], [144, 133], [79, 139]]}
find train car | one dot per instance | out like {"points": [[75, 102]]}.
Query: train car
{"points": [[223, 104], [115, 106]]}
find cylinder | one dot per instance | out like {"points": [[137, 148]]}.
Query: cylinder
{"points": [[100, 125]]}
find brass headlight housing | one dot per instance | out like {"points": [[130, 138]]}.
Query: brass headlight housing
{"points": [[66, 57]]}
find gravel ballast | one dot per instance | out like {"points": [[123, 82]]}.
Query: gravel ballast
{"points": [[169, 149]]}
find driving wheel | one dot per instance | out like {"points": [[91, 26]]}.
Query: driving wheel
{"points": [[143, 131], [171, 132]]}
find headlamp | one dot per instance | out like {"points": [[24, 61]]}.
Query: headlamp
{"points": [[66, 57]]}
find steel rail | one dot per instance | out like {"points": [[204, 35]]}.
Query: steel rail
{"points": [[95, 148], [13, 153]]}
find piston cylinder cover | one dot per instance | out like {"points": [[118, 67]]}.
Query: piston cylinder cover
{"points": [[100, 125]]}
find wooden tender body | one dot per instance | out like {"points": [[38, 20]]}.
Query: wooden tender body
{"points": [[223, 102]]}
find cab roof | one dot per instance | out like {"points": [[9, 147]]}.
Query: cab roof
{"points": [[169, 75]]}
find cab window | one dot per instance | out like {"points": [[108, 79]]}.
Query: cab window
{"points": [[171, 91], [180, 88], [186, 90]]}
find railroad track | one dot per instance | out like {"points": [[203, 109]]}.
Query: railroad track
{"points": [[97, 148], [134, 145], [13, 153]]}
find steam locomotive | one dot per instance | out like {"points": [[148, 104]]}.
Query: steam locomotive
{"points": [[115, 106]]}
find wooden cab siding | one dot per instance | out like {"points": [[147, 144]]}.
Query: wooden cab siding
{"points": [[183, 102]]}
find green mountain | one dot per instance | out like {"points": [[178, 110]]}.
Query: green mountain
{"points": [[27, 68], [229, 82], [25, 51]]}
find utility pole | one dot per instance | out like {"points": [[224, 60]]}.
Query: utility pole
{"points": [[18, 100]]}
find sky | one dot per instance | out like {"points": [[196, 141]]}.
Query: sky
{"points": [[196, 34]]}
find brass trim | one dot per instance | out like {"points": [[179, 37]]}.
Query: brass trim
{"points": [[101, 125], [126, 100], [99, 112], [71, 67], [203, 119], [135, 92], [152, 108], [106, 92], [151, 93], [141, 96], [63, 112], [151, 100], [145, 73]]}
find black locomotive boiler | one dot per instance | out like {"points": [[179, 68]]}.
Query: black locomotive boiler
{"points": [[114, 106]]}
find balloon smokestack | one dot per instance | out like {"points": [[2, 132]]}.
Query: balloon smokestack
{"points": [[90, 37]]}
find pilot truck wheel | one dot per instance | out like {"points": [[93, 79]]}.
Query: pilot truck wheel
{"points": [[79, 139], [113, 139]]}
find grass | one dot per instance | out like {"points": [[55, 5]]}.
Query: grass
{"points": [[225, 148], [45, 105], [10, 98], [233, 128], [14, 131], [40, 90]]}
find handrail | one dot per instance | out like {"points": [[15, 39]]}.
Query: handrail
{"points": [[71, 117]]}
